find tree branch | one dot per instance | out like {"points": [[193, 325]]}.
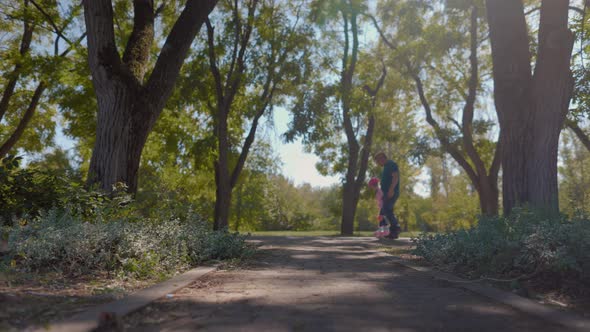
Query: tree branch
{"points": [[246, 147], [22, 125], [213, 62], [468, 110], [367, 145], [167, 69], [74, 45], [13, 77], [103, 56], [449, 148], [381, 33], [138, 49], [496, 162], [237, 28], [366, 152], [582, 136], [346, 82], [234, 82], [56, 29]]}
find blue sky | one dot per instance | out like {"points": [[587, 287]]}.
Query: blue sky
{"points": [[297, 164]]}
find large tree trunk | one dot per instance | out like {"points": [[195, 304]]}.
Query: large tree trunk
{"points": [[531, 109], [222, 203], [512, 77], [488, 196], [350, 199], [128, 106], [223, 179], [109, 157], [349, 61], [552, 90], [239, 207]]}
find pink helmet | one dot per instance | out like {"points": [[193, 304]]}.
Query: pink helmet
{"points": [[373, 182]]}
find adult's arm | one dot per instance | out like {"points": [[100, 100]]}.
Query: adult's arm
{"points": [[394, 181]]}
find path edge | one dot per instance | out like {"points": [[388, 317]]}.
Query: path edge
{"points": [[569, 320], [88, 319]]}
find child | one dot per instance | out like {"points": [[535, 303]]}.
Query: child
{"points": [[383, 229]]}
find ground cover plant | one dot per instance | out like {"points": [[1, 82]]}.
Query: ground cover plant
{"points": [[524, 250], [58, 240]]}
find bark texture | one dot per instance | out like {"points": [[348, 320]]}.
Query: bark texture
{"points": [[531, 106], [129, 105]]}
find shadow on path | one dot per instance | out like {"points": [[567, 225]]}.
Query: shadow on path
{"points": [[327, 284]]}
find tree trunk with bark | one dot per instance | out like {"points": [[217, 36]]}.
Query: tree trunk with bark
{"points": [[226, 89], [224, 187], [358, 155], [129, 105], [531, 107], [488, 196]]}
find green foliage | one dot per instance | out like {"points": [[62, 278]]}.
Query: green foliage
{"points": [[45, 60], [574, 195], [60, 240], [25, 191], [524, 244]]}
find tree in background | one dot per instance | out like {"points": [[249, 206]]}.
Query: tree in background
{"points": [[431, 49], [29, 67], [577, 118], [574, 178], [330, 108], [129, 103], [255, 61]]}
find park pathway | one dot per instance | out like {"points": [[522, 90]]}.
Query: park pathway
{"points": [[327, 284]]}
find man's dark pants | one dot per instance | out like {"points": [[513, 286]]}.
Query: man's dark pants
{"points": [[387, 211]]}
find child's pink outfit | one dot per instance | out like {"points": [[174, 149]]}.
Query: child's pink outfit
{"points": [[383, 229]]}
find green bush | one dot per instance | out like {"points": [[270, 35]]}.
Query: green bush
{"points": [[60, 240], [26, 192], [524, 244]]}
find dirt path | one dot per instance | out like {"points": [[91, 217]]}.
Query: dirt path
{"points": [[327, 284]]}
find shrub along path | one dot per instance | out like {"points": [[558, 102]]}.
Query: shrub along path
{"points": [[327, 284]]}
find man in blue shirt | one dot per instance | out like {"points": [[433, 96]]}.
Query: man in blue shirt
{"points": [[390, 188]]}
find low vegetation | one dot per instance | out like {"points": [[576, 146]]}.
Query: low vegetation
{"points": [[551, 253], [74, 231], [58, 240]]}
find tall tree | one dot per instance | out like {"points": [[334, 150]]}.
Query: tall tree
{"points": [[463, 150], [256, 60], [531, 106], [358, 151], [327, 110], [129, 103], [433, 45]]}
